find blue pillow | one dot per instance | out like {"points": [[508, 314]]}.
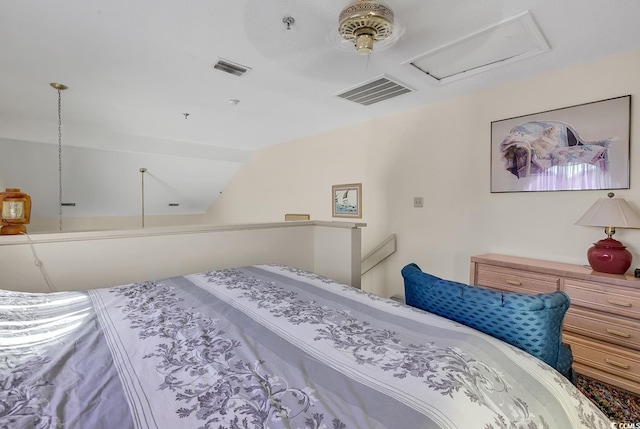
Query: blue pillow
{"points": [[532, 323]]}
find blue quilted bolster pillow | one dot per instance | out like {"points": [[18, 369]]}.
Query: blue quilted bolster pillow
{"points": [[532, 323]]}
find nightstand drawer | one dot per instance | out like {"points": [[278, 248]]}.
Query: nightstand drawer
{"points": [[608, 298], [595, 325], [515, 280], [614, 360]]}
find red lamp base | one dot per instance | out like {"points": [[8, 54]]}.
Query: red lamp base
{"points": [[609, 256]]}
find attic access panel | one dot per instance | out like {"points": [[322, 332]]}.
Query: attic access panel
{"points": [[511, 40]]}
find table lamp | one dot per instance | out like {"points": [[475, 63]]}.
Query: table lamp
{"points": [[609, 255], [16, 211]]}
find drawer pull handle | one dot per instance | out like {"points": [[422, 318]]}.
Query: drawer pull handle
{"points": [[514, 282], [619, 303], [618, 333], [618, 364]]}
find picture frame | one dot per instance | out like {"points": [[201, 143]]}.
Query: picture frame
{"points": [[346, 200], [580, 147], [296, 216]]}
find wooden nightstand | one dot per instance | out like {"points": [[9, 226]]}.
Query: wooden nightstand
{"points": [[603, 323]]}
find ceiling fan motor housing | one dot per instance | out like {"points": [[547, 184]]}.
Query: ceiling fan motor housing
{"points": [[364, 22]]}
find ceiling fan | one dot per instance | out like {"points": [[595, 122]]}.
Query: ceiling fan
{"points": [[365, 22]]}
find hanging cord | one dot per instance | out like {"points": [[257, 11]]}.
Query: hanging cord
{"points": [[142, 171], [39, 264], [59, 87], [59, 161]]}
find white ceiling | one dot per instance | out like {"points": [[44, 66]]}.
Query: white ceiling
{"points": [[133, 68]]}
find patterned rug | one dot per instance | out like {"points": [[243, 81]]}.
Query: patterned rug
{"points": [[620, 405]]}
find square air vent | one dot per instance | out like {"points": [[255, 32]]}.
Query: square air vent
{"points": [[231, 67], [375, 91], [511, 40]]}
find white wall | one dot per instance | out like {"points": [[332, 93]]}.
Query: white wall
{"points": [[442, 153], [102, 223], [106, 185]]}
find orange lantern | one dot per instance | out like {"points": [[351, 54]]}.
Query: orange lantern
{"points": [[16, 211]]}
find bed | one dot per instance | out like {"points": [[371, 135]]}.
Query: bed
{"points": [[263, 346]]}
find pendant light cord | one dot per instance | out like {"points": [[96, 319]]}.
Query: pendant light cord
{"points": [[142, 171], [39, 264], [59, 161], [142, 193]]}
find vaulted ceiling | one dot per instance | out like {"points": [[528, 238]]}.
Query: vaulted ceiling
{"points": [[134, 68]]}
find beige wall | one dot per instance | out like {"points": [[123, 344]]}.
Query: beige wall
{"points": [[442, 153], [101, 223]]}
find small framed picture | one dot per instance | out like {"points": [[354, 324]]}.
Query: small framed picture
{"points": [[347, 200]]}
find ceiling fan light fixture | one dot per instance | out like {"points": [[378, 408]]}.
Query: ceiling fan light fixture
{"points": [[364, 41], [365, 22]]}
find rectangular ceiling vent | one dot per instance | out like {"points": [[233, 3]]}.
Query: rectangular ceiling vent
{"points": [[231, 67], [511, 40], [375, 91]]}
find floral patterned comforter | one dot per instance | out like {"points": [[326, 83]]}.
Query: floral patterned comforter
{"points": [[263, 347]]}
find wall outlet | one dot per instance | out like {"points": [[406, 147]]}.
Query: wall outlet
{"points": [[418, 202]]}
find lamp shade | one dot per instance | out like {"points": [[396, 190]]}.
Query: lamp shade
{"points": [[614, 212]]}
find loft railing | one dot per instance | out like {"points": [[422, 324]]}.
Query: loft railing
{"points": [[379, 254]]}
